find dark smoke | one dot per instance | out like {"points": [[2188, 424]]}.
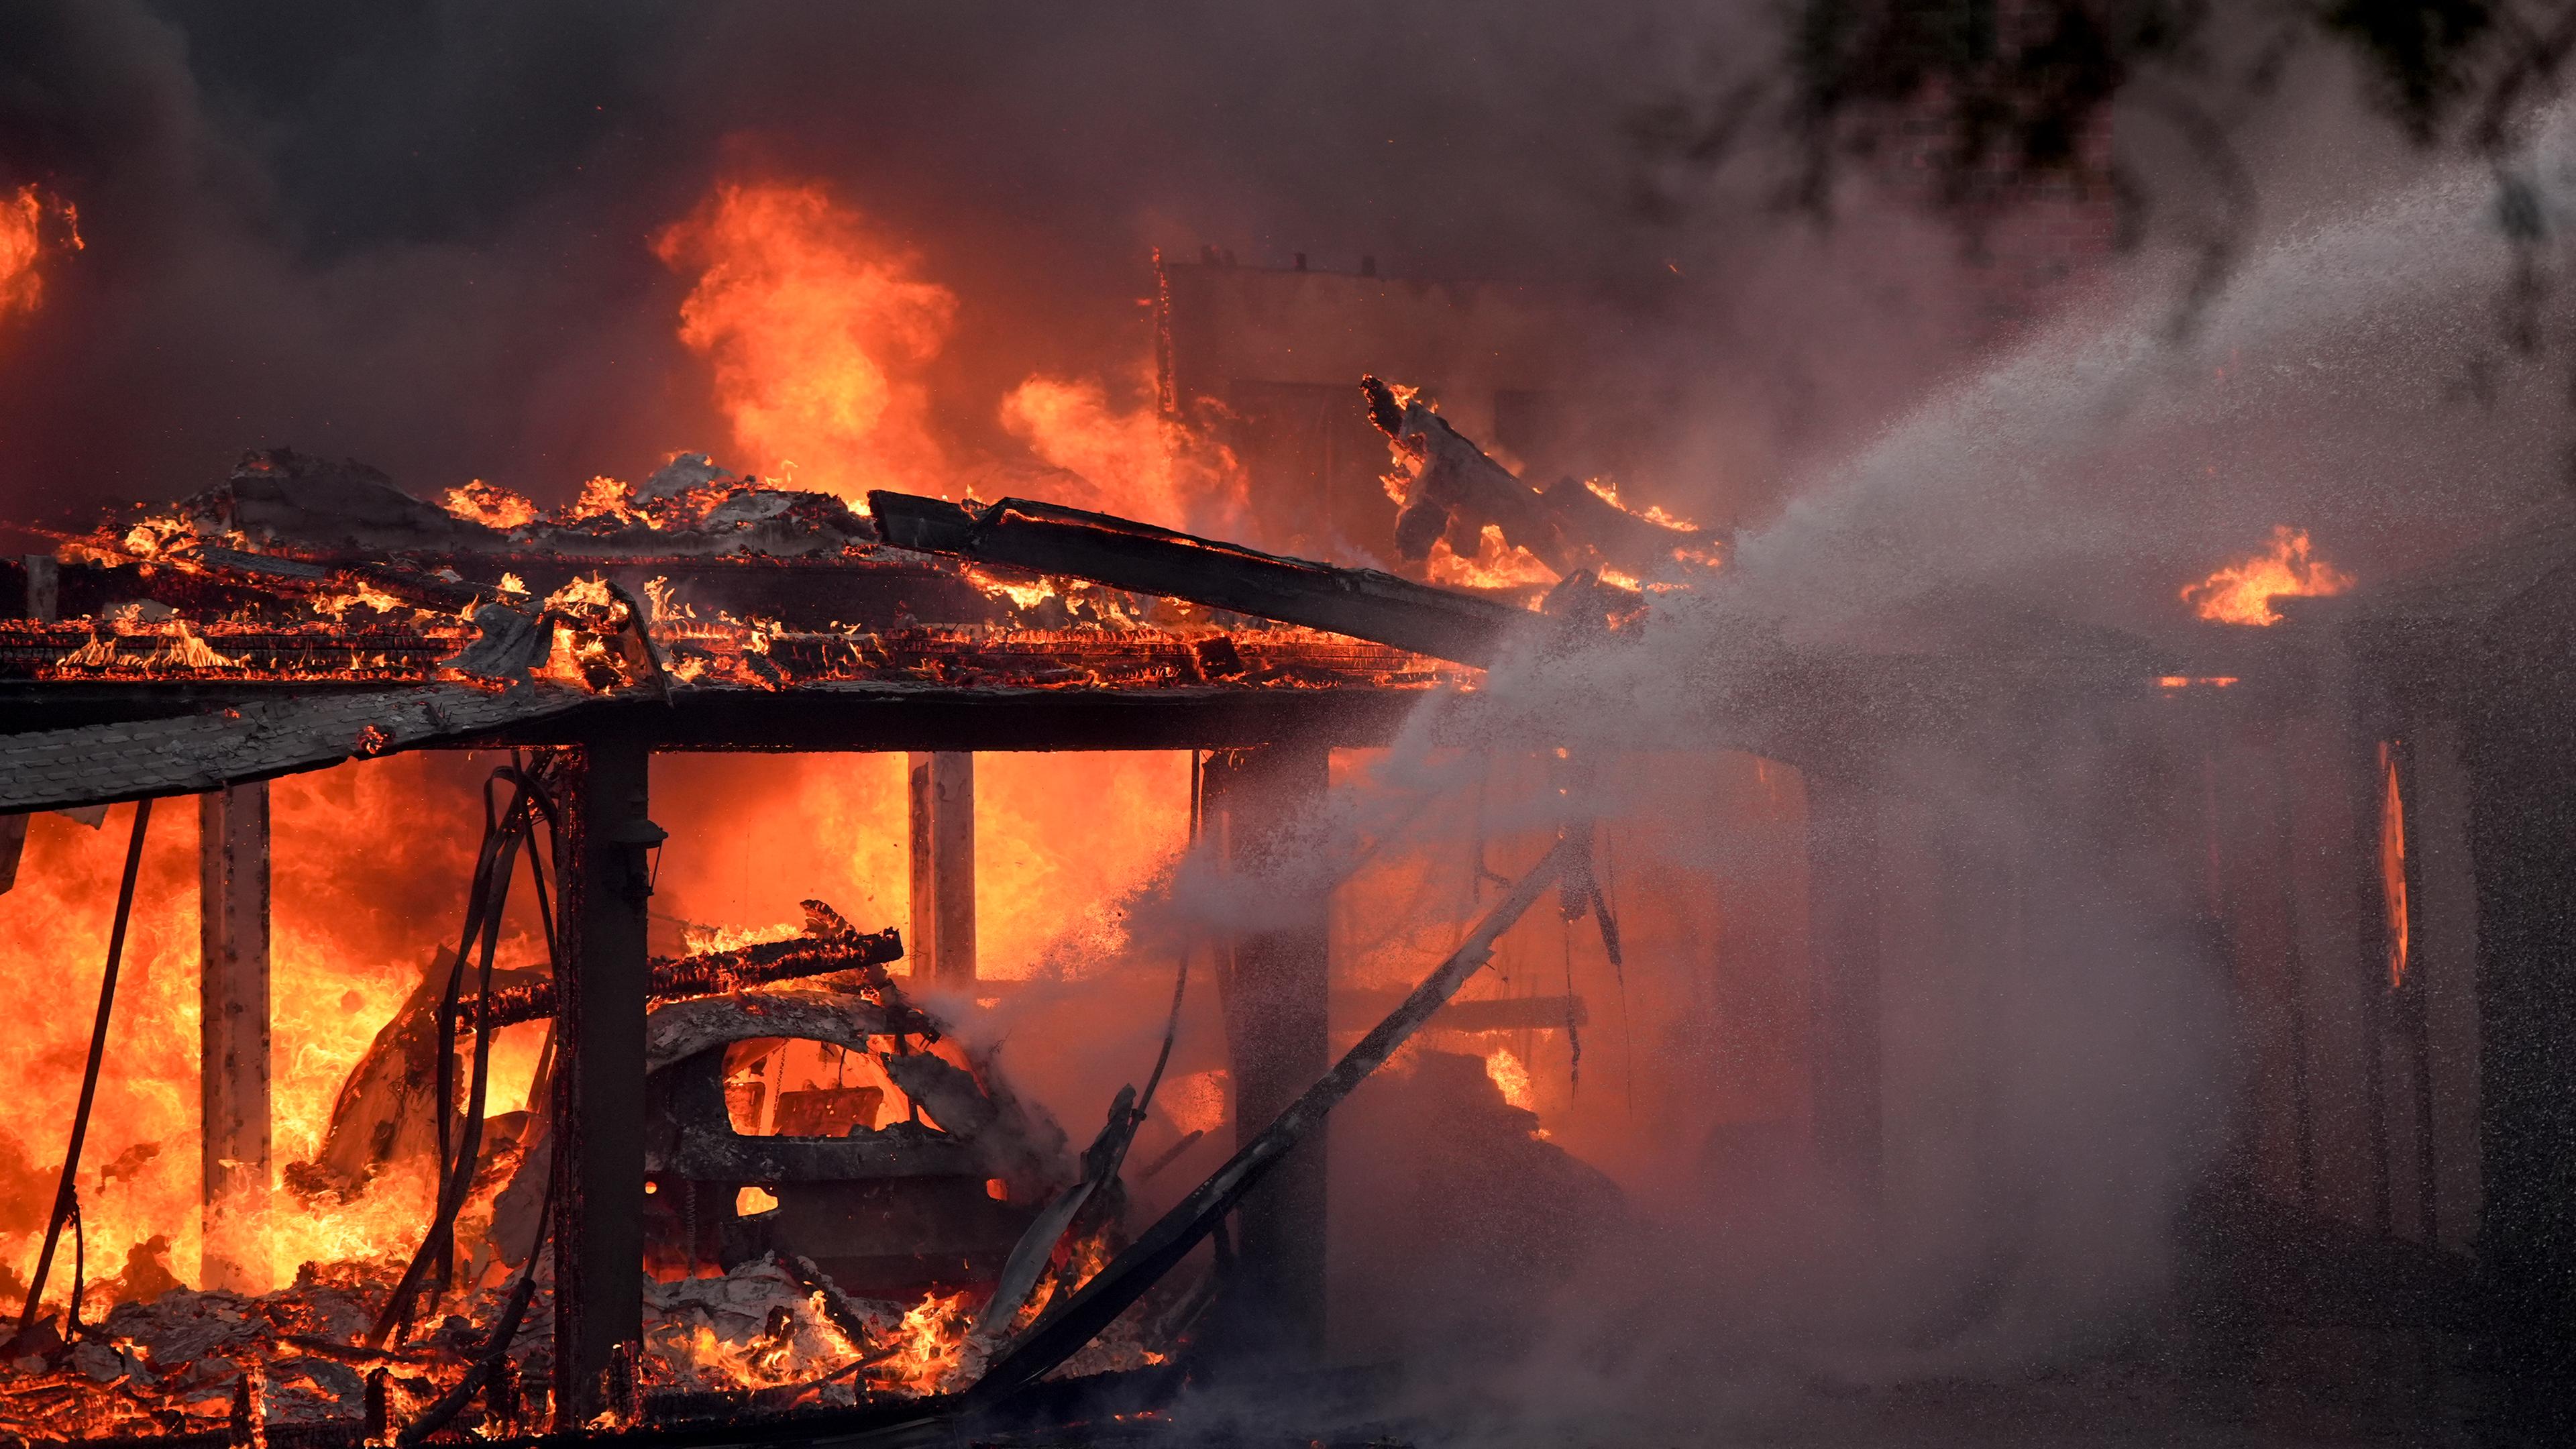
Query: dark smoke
{"points": [[418, 234]]}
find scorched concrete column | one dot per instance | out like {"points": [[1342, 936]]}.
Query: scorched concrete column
{"points": [[1277, 1029], [604, 858], [942, 945], [232, 1027]]}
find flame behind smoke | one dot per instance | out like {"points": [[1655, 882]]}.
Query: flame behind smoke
{"points": [[814, 328], [1511, 1076], [2242, 593], [22, 242], [1138, 463]]}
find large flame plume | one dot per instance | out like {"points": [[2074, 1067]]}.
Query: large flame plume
{"points": [[1131, 461], [815, 328], [26, 218], [2242, 592]]}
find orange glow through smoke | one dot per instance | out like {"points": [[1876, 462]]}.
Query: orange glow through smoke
{"points": [[1132, 462], [2392, 863], [816, 330], [2242, 593], [23, 217]]}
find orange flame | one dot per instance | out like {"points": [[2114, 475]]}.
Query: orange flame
{"points": [[2242, 593], [490, 505], [1512, 1077], [22, 242], [2392, 863], [1137, 463], [356, 891], [815, 329], [1497, 564], [930, 1345]]}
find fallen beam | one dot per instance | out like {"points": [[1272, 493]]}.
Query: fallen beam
{"points": [[1121, 553], [1502, 1013], [1063, 1331], [712, 974]]}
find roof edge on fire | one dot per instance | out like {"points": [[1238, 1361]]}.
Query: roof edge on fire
{"points": [[103, 763]]}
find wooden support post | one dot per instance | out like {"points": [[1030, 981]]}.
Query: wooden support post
{"points": [[1843, 906], [942, 943], [232, 999], [1277, 1026], [604, 859]]}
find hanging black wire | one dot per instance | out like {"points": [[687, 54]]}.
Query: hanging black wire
{"points": [[1181, 975], [505, 1328], [67, 1194], [506, 829], [80, 1274]]}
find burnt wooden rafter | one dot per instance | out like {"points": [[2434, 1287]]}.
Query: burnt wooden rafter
{"points": [[1121, 553]]}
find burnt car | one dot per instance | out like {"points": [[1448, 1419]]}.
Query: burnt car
{"points": [[818, 1123]]}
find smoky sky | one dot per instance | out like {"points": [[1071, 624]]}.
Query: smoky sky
{"points": [[419, 234]]}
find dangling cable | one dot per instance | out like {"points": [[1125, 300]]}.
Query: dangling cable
{"points": [[477, 891], [1180, 977], [66, 1195], [461, 1153], [80, 1273], [505, 1328]]}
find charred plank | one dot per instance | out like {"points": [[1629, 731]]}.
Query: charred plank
{"points": [[715, 973], [1125, 554]]}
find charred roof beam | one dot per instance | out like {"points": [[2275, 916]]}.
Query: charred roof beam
{"points": [[1121, 553]]}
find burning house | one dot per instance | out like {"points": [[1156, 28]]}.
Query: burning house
{"points": [[761, 1177], [1359, 886], [750, 1106]]}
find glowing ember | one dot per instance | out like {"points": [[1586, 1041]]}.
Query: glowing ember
{"points": [[2242, 593], [1608, 492], [814, 328]]}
